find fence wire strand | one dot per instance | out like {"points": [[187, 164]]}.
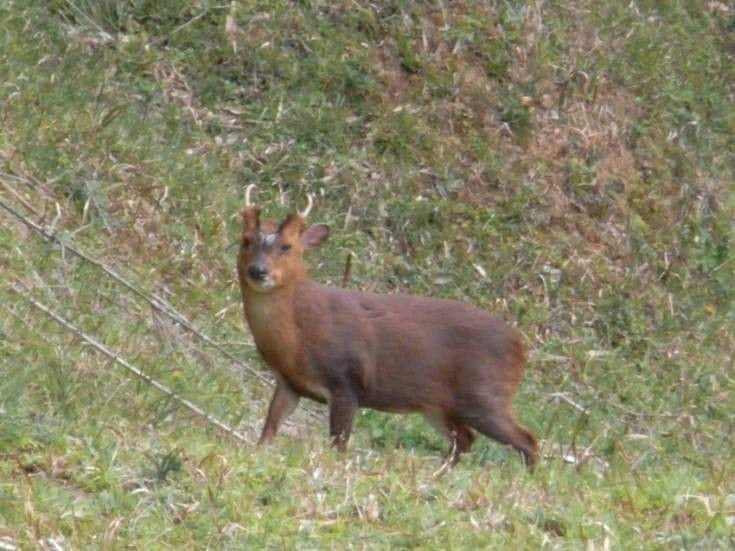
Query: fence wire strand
{"points": [[94, 343]]}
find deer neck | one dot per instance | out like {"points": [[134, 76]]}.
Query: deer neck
{"points": [[272, 322]]}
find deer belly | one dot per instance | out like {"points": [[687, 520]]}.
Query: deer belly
{"points": [[310, 388]]}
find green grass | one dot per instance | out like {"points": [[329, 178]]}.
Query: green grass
{"points": [[569, 169]]}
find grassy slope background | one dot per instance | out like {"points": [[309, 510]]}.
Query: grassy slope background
{"points": [[568, 166]]}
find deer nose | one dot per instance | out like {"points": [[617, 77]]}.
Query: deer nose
{"points": [[257, 273]]}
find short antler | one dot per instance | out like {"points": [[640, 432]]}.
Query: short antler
{"points": [[304, 213], [247, 194]]}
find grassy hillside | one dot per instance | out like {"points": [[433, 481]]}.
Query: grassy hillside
{"points": [[565, 165]]}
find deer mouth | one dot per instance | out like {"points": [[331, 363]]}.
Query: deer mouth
{"points": [[263, 284]]}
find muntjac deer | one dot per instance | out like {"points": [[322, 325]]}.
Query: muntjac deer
{"points": [[450, 361]]}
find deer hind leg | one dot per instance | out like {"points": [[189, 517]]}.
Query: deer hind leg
{"points": [[460, 435], [502, 427]]}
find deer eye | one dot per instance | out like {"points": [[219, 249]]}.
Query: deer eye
{"points": [[285, 248]]}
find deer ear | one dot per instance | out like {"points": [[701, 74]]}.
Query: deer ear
{"points": [[314, 235], [250, 219]]}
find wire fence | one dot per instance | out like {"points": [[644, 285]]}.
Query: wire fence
{"points": [[208, 417]]}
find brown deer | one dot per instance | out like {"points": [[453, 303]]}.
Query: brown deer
{"points": [[450, 361]]}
